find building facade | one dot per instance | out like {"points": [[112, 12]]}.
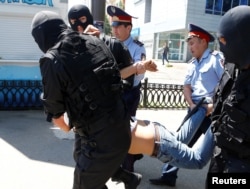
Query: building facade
{"points": [[158, 22], [19, 54], [163, 21]]}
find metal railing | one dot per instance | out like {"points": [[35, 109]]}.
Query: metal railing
{"points": [[20, 94], [25, 94], [162, 96]]}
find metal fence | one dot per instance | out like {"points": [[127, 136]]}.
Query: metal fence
{"points": [[162, 96], [20, 94], [25, 94]]}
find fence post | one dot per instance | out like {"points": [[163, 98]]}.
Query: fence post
{"points": [[145, 97]]}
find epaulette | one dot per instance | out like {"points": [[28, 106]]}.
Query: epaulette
{"points": [[138, 42], [214, 52], [218, 54]]}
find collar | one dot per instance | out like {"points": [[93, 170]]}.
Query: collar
{"points": [[204, 55], [128, 41]]}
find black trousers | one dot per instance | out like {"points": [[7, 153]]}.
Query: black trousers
{"points": [[101, 151], [132, 99]]}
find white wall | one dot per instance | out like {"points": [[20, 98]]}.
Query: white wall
{"points": [[169, 15], [166, 15], [15, 34], [196, 15], [18, 51]]}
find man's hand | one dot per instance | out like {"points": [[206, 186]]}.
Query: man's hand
{"points": [[150, 65], [92, 30], [140, 68], [146, 65], [209, 108], [60, 122], [192, 106]]}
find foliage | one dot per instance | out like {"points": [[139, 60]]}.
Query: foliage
{"points": [[107, 27]]}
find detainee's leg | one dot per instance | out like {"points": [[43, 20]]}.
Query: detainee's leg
{"points": [[191, 126], [188, 132], [145, 136], [145, 140]]}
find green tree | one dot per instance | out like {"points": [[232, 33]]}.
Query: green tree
{"points": [[107, 27]]}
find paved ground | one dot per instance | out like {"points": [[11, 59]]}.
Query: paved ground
{"points": [[172, 73], [36, 155]]}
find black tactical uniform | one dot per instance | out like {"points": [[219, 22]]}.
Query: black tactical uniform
{"points": [[81, 77], [231, 115], [123, 59]]}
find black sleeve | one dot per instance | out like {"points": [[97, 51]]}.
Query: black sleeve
{"points": [[52, 97], [119, 51], [122, 55]]}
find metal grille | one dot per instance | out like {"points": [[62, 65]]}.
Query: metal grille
{"points": [[25, 94], [20, 94], [162, 96]]}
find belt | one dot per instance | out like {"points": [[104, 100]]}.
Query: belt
{"points": [[157, 142]]}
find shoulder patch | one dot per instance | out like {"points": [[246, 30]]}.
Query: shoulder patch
{"points": [[138, 42], [218, 54]]}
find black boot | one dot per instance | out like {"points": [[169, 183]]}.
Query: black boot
{"points": [[130, 180], [167, 178]]}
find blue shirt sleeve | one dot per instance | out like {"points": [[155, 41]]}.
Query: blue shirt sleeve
{"points": [[137, 52]]}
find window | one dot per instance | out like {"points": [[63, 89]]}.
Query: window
{"points": [[220, 7], [227, 4], [243, 2], [235, 2], [209, 6], [148, 6]]}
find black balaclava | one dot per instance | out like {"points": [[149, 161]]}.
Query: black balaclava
{"points": [[78, 11], [234, 35], [47, 28]]}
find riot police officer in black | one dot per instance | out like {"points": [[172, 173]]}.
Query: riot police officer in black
{"points": [[231, 115], [80, 77], [81, 20]]}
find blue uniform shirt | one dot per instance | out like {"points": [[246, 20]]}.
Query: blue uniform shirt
{"points": [[137, 52], [203, 76]]}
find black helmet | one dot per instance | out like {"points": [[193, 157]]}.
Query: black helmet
{"points": [[47, 28], [78, 11], [234, 35]]}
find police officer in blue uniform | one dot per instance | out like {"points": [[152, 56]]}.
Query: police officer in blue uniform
{"points": [[204, 73], [121, 28]]}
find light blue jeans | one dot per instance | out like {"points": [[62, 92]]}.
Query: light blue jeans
{"points": [[173, 148]]}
